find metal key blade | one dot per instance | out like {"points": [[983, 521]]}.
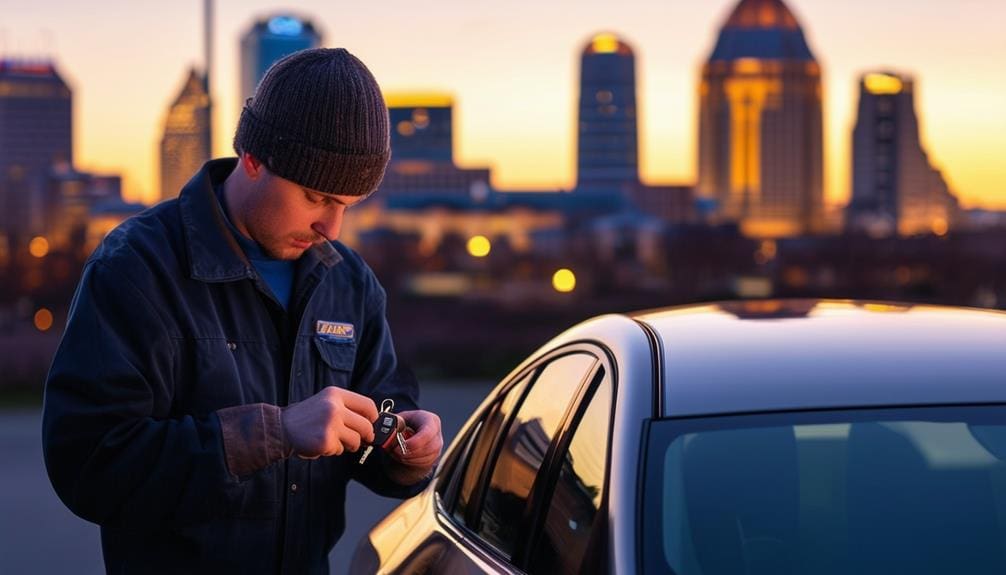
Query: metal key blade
{"points": [[366, 453], [401, 443]]}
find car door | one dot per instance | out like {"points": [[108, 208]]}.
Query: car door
{"points": [[497, 478]]}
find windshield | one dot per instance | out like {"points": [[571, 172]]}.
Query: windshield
{"points": [[919, 490]]}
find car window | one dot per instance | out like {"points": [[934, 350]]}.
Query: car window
{"points": [[524, 447], [494, 421], [916, 490], [572, 523]]}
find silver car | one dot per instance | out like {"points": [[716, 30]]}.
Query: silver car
{"points": [[766, 437]]}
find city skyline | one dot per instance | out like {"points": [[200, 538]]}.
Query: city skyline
{"points": [[516, 113]]}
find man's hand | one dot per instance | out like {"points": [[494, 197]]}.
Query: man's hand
{"points": [[423, 447], [329, 422]]}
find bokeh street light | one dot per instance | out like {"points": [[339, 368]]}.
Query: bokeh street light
{"points": [[564, 280], [38, 247], [479, 246], [43, 319]]}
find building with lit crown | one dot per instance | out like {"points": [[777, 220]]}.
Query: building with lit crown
{"points": [[895, 188], [422, 151], [268, 40], [760, 124], [185, 144], [607, 152]]}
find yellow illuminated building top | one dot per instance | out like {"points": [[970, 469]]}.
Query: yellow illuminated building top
{"points": [[882, 84], [604, 44], [419, 100], [607, 43]]}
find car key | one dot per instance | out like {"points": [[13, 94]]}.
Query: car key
{"points": [[388, 427]]}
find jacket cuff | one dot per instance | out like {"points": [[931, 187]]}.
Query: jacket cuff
{"points": [[253, 437]]}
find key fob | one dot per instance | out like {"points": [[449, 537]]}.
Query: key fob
{"points": [[386, 427]]}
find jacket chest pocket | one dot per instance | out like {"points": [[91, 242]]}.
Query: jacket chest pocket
{"points": [[335, 362]]}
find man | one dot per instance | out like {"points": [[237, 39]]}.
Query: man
{"points": [[223, 356]]}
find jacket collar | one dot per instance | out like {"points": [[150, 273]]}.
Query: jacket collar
{"points": [[214, 253]]}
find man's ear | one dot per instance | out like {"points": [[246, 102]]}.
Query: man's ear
{"points": [[252, 166]]}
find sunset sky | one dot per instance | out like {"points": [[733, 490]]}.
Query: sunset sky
{"points": [[513, 70]]}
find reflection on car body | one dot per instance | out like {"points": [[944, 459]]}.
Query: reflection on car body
{"points": [[745, 437]]}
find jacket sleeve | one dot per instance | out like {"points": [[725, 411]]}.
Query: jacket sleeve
{"points": [[378, 375], [113, 451]]}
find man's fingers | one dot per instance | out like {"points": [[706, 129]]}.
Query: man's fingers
{"points": [[350, 439], [362, 427], [425, 425], [360, 404], [425, 445]]}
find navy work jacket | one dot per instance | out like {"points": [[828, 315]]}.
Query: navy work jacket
{"points": [[171, 323]]}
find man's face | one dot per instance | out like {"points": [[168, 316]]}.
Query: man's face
{"points": [[287, 219]]}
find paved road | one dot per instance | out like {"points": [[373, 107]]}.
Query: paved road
{"points": [[39, 535]]}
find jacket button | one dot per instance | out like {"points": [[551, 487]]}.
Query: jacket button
{"points": [[231, 345], [293, 487]]}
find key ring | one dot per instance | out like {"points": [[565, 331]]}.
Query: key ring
{"points": [[387, 405]]}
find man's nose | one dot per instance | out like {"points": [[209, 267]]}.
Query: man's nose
{"points": [[330, 224]]}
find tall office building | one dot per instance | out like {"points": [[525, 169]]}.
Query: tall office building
{"points": [[185, 145], [422, 126], [268, 40], [760, 134], [607, 137], [422, 151], [36, 134], [895, 189]]}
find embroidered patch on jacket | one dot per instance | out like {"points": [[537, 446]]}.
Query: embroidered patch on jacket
{"points": [[335, 331]]}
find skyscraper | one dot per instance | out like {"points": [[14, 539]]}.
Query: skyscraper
{"points": [[422, 151], [268, 40], [185, 145], [607, 143], [760, 135], [422, 126], [895, 189], [36, 133]]}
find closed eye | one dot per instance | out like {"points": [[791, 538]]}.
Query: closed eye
{"points": [[318, 199]]}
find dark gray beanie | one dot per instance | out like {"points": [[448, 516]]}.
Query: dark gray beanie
{"points": [[318, 119]]}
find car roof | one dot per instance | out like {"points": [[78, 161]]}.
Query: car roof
{"points": [[754, 356]]}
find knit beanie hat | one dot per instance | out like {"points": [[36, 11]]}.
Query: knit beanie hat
{"points": [[318, 119]]}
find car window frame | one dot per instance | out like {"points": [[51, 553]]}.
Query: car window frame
{"points": [[547, 474], [461, 455], [487, 472], [538, 512]]}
